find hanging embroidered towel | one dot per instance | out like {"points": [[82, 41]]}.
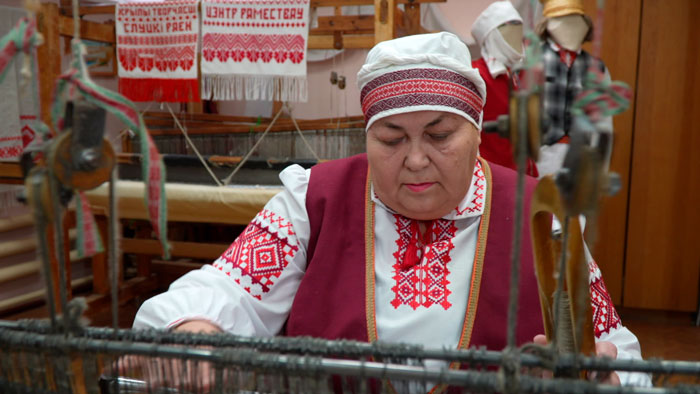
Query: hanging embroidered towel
{"points": [[19, 107], [254, 49], [157, 50]]}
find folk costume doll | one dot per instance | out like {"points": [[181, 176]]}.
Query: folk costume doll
{"points": [[409, 242], [563, 29], [499, 32]]}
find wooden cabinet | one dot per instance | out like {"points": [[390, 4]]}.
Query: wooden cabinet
{"points": [[649, 245]]}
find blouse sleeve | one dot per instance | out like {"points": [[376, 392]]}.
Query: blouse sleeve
{"points": [[249, 289], [608, 326]]}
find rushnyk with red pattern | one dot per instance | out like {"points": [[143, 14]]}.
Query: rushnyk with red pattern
{"points": [[157, 50], [433, 88], [20, 115], [258, 256], [254, 49]]}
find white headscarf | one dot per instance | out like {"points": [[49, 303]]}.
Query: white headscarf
{"points": [[424, 72], [497, 53]]}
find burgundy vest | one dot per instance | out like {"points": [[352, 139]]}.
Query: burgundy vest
{"points": [[330, 301]]}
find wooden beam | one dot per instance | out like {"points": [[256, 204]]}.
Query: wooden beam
{"points": [[412, 19], [217, 119], [384, 20], [16, 222], [48, 58], [18, 246], [333, 3], [229, 129], [110, 9], [100, 270], [193, 250], [10, 169], [174, 268], [92, 10], [345, 23], [35, 297], [129, 290], [102, 32], [350, 41]]}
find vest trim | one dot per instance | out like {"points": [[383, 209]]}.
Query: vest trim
{"points": [[478, 268], [369, 264]]}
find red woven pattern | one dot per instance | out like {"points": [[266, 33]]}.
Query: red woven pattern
{"points": [[424, 284], [259, 255], [157, 40], [423, 86], [254, 47], [477, 202], [161, 58], [605, 316]]}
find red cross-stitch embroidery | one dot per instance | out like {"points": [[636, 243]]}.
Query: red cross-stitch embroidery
{"points": [[605, 316], [477, 202], [266, 47], [259, 255], [424, 284]]}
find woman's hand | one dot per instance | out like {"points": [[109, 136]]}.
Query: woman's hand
{"points": [[602, 349], [197, 326], [174, 373]]}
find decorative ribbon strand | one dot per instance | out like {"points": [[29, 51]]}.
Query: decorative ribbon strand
{"points": [[153, 171]]}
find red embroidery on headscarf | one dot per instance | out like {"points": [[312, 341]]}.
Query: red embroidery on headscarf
{"points": [[605, 316], [423, 284], [259, 255]]}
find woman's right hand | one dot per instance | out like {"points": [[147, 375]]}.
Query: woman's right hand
{"points": [[158, 372]]}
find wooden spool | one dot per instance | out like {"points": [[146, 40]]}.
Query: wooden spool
{"points": [[60, 161], [547, 201]]}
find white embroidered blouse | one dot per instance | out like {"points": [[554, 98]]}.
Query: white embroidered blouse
{"points": [[249, 289]]}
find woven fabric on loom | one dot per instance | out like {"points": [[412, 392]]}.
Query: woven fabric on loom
{"points": [[254, 49], [157, 50]]}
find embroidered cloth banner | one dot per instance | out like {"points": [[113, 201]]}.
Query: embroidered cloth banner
{"points": [[254, 49], [19, 107], [157, 50]]}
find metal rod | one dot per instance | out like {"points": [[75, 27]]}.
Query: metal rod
{"points": [[561, 277], [59, 244], [112, 246], [43, 244], [153, 343], [521, 157]]}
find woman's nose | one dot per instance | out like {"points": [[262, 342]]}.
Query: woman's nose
{"points": [[417, 157]]}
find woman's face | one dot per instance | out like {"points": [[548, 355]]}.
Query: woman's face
{"points": [[421, 163]]}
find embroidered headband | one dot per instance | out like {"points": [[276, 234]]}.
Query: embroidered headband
{"points": [[426, 72]]}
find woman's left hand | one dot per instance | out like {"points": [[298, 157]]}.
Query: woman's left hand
{"points": [[605, 349], [602, 349]]}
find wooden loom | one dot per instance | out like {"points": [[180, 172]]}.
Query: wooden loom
{"points": [[333, 32]]}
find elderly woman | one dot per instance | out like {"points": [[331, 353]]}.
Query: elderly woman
{"points": [[408, 243]]}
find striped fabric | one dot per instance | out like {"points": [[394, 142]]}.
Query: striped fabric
{"points": [[562, 85]]}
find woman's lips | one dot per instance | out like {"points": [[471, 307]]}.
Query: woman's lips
{"points": [[418, 187]]}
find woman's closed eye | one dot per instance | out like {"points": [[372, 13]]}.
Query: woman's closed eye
{"points": [[439, 136], [392, 141]]}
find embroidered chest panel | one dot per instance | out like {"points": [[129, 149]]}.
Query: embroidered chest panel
{"points": [[424, 284]]}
